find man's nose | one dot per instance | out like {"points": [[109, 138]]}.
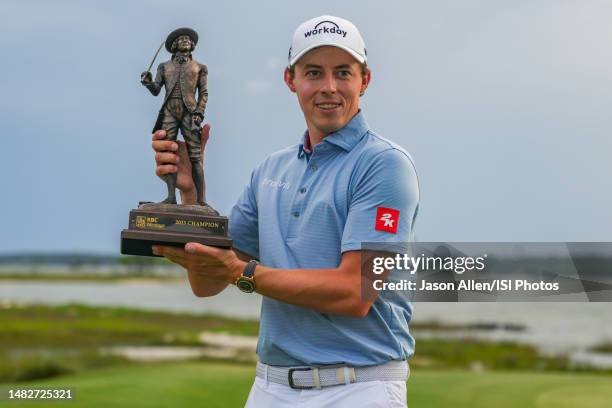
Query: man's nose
{"points": [[329, 84]]}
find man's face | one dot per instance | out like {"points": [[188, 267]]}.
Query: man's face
{"points": [[183, 43], [328, 82]]}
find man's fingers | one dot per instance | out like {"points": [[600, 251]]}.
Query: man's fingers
{"points": [[160, 144], [187, 258], [189, 250], [166, 158], [159, 135], [168, 250], [164, 146], [177, 260], [195, 248], [162, 170]]}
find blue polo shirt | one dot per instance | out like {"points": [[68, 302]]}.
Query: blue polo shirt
{"points": [[302, 211]]}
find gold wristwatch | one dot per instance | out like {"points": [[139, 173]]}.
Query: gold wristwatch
{"points": [[246, 281]]}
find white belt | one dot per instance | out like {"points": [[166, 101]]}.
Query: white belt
{"points": [[305, 377]]}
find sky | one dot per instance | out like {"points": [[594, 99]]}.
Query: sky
{"points": [[504, 106]]}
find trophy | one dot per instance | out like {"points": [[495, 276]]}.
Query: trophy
{"points": [[166, 222]]}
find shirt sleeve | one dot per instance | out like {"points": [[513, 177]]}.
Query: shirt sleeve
{"points": [[243, 221], [387, 181]]}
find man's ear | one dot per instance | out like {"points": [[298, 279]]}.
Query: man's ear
{"points": [[289, 80], [365, 81]]}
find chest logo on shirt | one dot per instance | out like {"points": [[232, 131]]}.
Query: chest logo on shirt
{"points": [[283, 185], [387, 219]]}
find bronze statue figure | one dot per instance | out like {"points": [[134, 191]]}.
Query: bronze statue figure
{"points": [[168, 223], [181, 76]]}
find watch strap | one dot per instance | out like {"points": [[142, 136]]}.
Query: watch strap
{"points": [[249, 269]]}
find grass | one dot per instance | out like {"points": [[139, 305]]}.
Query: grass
{"points": [[459, 389], [46, 341], [84, 326], [212, 385], [155, 385], [39, 364], [469, 353], [603, 348]]}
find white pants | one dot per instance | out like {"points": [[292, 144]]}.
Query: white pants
{"points": [[367, 394]]}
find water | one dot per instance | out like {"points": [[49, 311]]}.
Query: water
{"points": [[559, 327], [174, 296], [553, 327]]}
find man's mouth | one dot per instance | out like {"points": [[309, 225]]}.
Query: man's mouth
{"points": [[328, 105]]}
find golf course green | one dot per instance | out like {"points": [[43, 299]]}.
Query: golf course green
{"points": [[207, 384]]}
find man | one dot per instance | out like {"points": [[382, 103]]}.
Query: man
{"points": [[304, 215], [181, 76]]}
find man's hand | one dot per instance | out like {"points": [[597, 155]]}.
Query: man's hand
{"points": [[222, 265], [172, 157], [209, 269]]}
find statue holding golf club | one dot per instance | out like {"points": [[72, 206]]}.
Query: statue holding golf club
{"points": [[182, 76], [166, 222]]}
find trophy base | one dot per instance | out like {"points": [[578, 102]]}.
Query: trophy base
{"points": [[173, 225]]}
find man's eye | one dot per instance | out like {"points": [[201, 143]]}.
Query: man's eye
{"points": [[344, 74], [312, 73]]}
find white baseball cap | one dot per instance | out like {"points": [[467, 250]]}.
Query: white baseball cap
{"points": [[327, 30]]}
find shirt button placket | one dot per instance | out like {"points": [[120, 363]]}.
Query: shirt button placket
{"points": [[299, 200]]}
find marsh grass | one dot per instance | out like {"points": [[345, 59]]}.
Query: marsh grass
{"points": [[47, 341], [87, 326]]}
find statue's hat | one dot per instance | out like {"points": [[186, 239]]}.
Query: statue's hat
{"points": [[177, 33]]}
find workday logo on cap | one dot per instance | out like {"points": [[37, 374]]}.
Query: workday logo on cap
{"points": [[325, 27], [327, 31]]}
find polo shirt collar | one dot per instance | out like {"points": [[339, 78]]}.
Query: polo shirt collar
{"points": [[347, 137]]}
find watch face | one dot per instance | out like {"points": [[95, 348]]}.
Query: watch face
{"points": [[245, 285]]}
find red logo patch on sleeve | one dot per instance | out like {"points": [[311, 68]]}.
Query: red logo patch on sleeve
{"points": [[387, 219]]}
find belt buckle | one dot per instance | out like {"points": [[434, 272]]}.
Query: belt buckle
{"points": [[292, 384]]}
